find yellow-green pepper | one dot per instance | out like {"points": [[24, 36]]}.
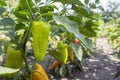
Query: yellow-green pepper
{"points": [[61, 54], [14, 58], [40, 32]]}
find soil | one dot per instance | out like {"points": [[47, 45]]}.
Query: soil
{"points": [[102, 65]]}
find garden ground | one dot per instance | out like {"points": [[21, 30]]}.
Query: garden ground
{"points": [[101, 66]]}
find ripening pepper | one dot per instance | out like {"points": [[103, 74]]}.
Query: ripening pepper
{"points": [[70, 53], [54, 65], [61, 54], [76, 41], [40, 32], [39, 73], [118, 41], [14, 58]]}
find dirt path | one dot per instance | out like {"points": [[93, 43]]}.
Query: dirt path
{"points": [[101, 66]]}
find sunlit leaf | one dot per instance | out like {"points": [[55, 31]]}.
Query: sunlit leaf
{"points": [[2, 3], [7, 71], [77, 50], [71, 27]]}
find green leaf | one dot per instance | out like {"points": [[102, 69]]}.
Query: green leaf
{"points": [[79, 65], [77, 50], [90, 43], [69, 68], [114, 36], [86, 1], [71, 27], [101, 8], [85, 11], [24, 12], [77, 19], [86, 32], [2, 10], [20, 26], [47, 9], [7, 24], [92, 5], [91, 26], [77, 2], [7, 21], [57, 70], [22, 4], [4, 71], [97, 1], [21, 11], [37, 1], [63, 70], [2, 3]]}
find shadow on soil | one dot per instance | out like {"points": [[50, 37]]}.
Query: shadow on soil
{"points": [[97, 67]]}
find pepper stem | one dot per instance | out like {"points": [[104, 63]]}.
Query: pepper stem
{"points": [[24, 40]]}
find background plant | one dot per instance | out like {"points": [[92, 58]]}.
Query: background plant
{"points": [[74, 20]]}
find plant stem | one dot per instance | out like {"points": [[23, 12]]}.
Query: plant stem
{"points": [[28, 31], [26, 64], [25, 39], [29, 9], [25, 60], [45, 14], [26, 36]]}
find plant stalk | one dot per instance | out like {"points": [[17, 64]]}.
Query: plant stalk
{"points": [[25, 39]]}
